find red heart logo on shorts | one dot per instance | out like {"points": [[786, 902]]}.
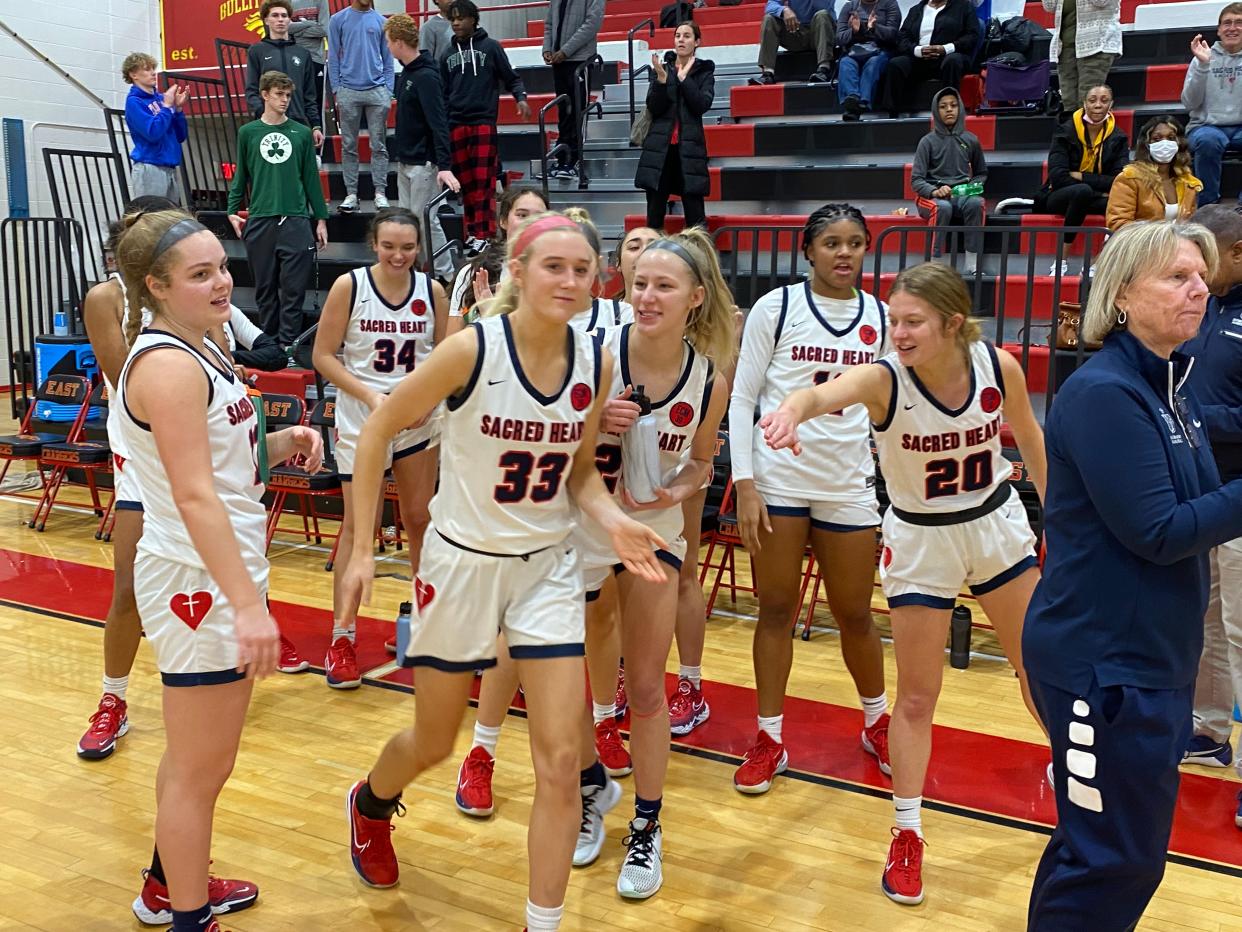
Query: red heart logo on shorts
{"points": [[191, 607], [423, 593]]}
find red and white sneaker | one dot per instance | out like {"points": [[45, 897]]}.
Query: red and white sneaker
{"points": [[903, 873], [875, 741], [474, 783], [290, 660], [370, 843], [152, 907], [341, 665], [109, 722], [687, 709], [611, 749], [622, 702], [763, 762]]}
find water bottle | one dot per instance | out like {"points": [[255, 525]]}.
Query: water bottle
{"points": [[959, 638], [403, 627], [968, 189], [640, 452], [60, 323]]}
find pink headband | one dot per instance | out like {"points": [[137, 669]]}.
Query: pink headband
{"points": [[538, 228]]}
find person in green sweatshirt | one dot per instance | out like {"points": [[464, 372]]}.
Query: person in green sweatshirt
{"points": [[276, 161]]}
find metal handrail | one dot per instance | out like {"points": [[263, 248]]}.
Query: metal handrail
{"points": [[595, 61], [650, 25], [544, 154], [434, 205]]}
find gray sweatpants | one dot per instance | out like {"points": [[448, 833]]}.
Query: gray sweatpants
{"points": [[416, 186], [957, 212], [1219, 683], [820, 35], [155, 180], [351, 107]]}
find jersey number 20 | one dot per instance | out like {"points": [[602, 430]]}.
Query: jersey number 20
{"points": [[388, 357], [950, 476], [519, 465]]}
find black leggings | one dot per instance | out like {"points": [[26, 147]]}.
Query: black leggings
{"points": [[672, 182], [1074, 202]]}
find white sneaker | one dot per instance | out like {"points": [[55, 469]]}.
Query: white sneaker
{"points": [[381, 200], [350, 204], [1052, 269], [641, 871], [596, 800], [1052, 785]]}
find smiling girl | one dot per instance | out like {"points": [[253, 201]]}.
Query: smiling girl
{"points": [[936, 406], [383, 321]]}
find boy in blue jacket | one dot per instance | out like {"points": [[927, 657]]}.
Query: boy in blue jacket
{"points": [[158, 128]]}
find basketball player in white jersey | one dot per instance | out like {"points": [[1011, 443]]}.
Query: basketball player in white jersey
{"points": [[936, 406], [378, 325], [523, 394], [801, 335], [683, 328], [200, 574]]}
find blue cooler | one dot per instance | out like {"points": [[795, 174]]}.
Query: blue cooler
{"points": [[63, 355]]}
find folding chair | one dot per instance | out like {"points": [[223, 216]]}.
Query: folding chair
{"points": [[27, 444], [90, 456], [292, 479]]}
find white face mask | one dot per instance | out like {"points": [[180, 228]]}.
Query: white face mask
{"points": [[1163, 151]]}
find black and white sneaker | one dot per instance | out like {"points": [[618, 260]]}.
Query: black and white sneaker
{"points": [[350, 204], [564, 173], [641, 871], [474, 246], [596, 801], [765, 78], [820, 76]]}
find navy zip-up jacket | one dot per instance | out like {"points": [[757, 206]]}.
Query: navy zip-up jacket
{"points": [[1217, 379], [1133, 507], [157, 131]]}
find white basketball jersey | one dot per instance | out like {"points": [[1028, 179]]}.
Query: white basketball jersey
{"points": [[385, 342], [506, 451], [677, 419], [818, 339], [937, 460], [116, 442], [233, 432], [603, 314]]}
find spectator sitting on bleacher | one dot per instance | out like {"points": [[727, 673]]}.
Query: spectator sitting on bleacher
{"points": [[1086, 40], [1158, 184], [948, 157], [1214, 99], [1088, 153], [937, 40], [435, 36], [867, 34], [249, 346], [309, 30], [157, 126], [277, 52], [797, 25]]}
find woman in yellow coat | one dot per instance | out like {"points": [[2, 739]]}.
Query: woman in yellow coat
{"points": [[1158, 184]]}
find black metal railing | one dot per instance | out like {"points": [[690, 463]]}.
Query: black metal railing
{"points": [[544, 153], [231, 58], [119, 141], [43, 273], [582, 88], [210, 150], [87, 187], [430, 256], [649, 25]]}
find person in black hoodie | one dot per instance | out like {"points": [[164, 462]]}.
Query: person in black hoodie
{"points": [[473, 72], [674, 157], [1088, 153], [937, 40], [277, 52], [421, 140]]}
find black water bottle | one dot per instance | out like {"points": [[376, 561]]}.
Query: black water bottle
{"points": [[959, 638]]}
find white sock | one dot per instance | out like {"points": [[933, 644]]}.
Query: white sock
{"points": [[486, 738], [693, 674], [601, 712], [339, 632], [116, 685], [772, 725], [909, 813], [543, 918], [873, 709]]}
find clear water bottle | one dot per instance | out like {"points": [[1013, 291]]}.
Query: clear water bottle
{"points": [[640, 452]]}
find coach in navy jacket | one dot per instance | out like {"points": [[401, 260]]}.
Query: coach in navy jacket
{"points": [[1115, 627]]}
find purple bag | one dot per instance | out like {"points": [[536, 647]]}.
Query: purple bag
{"points": [[1006, 82]]}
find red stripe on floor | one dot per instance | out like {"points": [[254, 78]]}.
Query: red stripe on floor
{"points": [[985, 773]]}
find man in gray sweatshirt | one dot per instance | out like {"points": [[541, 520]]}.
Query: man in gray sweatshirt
{"points": [[1214, 98], [946, 157], [435, 35]]}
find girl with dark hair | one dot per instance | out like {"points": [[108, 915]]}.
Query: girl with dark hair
{"points": [[1158, 184], [797, 336], [378, 324], [674, 156], [954, 517]]}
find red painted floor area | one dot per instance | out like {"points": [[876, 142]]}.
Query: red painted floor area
{"points": [[985, 773]]}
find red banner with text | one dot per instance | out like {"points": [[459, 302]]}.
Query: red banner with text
{"points": [[191, 28]]}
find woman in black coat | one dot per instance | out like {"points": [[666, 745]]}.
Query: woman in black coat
{"points": [[1088, 152], [674, 157], [945, 55]]}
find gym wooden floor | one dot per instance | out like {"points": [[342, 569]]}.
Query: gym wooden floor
{"points": [[808, 855]]}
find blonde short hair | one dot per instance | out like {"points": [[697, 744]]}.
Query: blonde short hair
{"points": [[1136, 250]]}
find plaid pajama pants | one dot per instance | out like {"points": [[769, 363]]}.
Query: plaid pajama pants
{"points": [[476, 163]]}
